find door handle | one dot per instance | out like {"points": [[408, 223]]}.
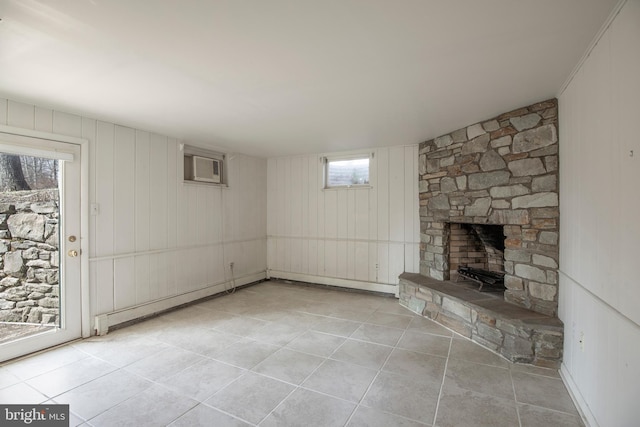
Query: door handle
{"points": [[73, 253]]}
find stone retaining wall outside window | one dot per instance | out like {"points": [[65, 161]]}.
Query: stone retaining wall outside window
{"points": [[29, 261]]}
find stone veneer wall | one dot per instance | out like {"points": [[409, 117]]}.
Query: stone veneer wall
{"points": [[29, 289], [501, 171]]}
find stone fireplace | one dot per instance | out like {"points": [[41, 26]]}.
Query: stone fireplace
{"points": [[489, 199]]}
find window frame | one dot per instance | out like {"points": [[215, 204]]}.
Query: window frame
{"points": [[345, 157]]}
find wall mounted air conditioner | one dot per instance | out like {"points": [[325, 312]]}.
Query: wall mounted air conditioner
{"points": [[207, 170]]}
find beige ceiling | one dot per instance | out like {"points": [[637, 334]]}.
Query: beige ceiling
{"points": [[281, 77]]}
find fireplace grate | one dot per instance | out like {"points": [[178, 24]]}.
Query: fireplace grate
{"points": [[489, 281]]}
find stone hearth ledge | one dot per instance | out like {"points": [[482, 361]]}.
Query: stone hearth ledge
{"points": [[518, 334]]}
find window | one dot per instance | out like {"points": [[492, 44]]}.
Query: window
{"points": [[204, 166], [347, 171]]}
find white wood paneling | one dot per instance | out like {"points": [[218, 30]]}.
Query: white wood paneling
{"points": [[142, 279], [331, 214], [216, 221], [124, 192], [599, 229], [625, 55], [373, 262], [382, 190], [599, 176], [396, 261], [295, 180], [158, 176], [396, 194], [173, 157], [104, 188], [89, 133], [20, 115], [361, 214], [3, 111], [44, 120], [67, 124], [361, 261], [322, 270], [330, 258], [202, 230], [230, 214], [103, 281], [272, 211], [304, 195], [312, 191], [287, 214], [157, 281], [124, 276], [410, 195], [416, 213], [383, 263], [142, 190], [368, 234], [272, 202]]}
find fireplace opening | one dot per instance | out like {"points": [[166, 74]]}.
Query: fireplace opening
{"points": [[476, 253]]}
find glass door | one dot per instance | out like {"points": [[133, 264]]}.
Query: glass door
{"points": [[40, 291]]}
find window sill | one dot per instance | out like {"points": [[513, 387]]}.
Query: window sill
{"points": [[349, 187], [204, 184]]}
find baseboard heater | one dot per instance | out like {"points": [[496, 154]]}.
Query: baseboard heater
{"points": [[109, 320], [333, 281]]}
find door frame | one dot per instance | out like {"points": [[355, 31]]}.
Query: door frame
{"points": [[83, 143]]}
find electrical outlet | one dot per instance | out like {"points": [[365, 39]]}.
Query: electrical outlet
{"points": [[581, 341]]}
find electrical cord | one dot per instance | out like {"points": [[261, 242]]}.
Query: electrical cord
{"points": [[233, 281]]}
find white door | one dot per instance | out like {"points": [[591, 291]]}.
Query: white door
{"points": [[62, 310]]}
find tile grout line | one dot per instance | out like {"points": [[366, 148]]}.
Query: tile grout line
{"points": [[444, 376], [557, 411], [94, 379], [515, 397], [24, 358], [208, 405], [117, 368]]}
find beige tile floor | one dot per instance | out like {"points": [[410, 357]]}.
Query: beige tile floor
{"points": [[280, 354]]}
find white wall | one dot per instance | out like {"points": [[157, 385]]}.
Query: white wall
{"points": [[600, 225], [156, 237], [352, 237]]}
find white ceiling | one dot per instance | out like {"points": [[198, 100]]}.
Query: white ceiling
{"points": [[283, 77]]}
